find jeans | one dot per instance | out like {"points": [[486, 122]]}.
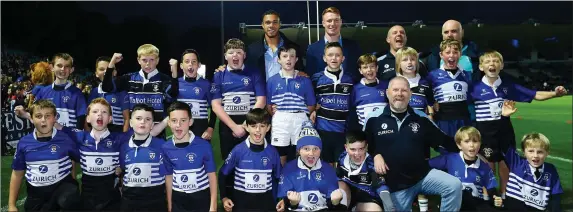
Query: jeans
{"points": [[437, 183]]}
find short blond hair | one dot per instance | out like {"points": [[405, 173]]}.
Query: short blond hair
{"points": [[468, 132], [367, 59], [450, 43], [535, 139], [405, 52], [331, 10], [147, 49], [493, 53], [102, 101]]}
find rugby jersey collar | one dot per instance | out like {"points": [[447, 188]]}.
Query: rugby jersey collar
{"points": [[413, 81], [229, 68], [102, 136], [533, 170], [363, 81], [301, 165], [249, 143], [495, 84], [474, 165], [191, 138], [347, 164], [288, 77], [54, 131], [332, 77], [453, 76], [151, 74], [144, 144], [68, 84]]}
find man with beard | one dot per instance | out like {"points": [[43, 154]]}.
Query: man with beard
{"points": [[397, 139], [263, 53], [396, 39], [332, 22]]}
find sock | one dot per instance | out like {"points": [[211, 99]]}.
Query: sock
{"points": [[503, 196], [387, 201], [423, 202]]}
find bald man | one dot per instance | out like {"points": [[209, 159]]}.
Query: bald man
{"points": [[469, 60], [396, 39]]}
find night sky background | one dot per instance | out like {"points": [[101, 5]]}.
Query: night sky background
{"points": [[91, 29]]}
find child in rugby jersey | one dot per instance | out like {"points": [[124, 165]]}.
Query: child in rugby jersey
{"points": [[195, 91], [148, 85], [478, 180], [190, 178], [534, 184], [489, 95], [368, 95], [141, 161], [307, 183], [451, 88], [46, 157], [364, 189], [119, 101], [236, 91], [290, 99], [333, 87], [69, 100], [256, 167], [99, 152]]}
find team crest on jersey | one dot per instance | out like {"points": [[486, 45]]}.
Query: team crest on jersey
{"points": [[422, 90], [386, 65], [384, 126], [246, 81], [382, 92], [478, 179], [151, 155], [213, 88], [414, 126], [265, 161], [197, 90], [65, 99], [113, 100], [318, 176], [546, 176], [191, 157], [504, 90], [363, 178], [487, 152], [109, 144], [54, 148], [297, 85]]}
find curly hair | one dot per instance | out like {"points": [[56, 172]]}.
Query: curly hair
{"points": [[41, 73]]}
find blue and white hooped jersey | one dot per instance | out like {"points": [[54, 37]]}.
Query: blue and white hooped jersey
{"points": [[143, 165], [238, 91], [97, 159], [189, 165], [254, 171], [290, 94], [523, 186], [367, 99], [359, 178], [118, 101], [474, 177], [197, 95], [489, 99], [70, 103], [314, 185], [449, 87], [422, 94], [333, 95], [46, 163]]}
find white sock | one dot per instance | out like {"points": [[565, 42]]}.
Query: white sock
{"points": [[503, 196], [423, 202]]}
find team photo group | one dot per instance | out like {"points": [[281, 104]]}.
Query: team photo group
{"points": [[341, 130]]}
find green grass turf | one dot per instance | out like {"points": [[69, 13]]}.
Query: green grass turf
{"points": [[548, 117]]}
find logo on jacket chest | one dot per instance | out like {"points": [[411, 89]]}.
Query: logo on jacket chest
{"points": [[191, 157], [384, 130], [246, 81], [415, 127], [197, 90]]}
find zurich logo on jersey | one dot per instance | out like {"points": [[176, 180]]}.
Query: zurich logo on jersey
{"points": [[136, 171], [184, 178], [312, 198], [98, 161], [534, 192], [43, 169], [256, 178], [458, 86], [237, 99]]}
